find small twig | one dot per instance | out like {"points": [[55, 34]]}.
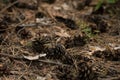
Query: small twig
{"points": [[20, 73], [4, 9], [21, 22], [53, 62], [10, 56], [43, 61], [15, 25]]}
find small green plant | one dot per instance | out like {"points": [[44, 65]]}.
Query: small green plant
{"points": [[101, 2], [88, 32], [112, 1], [85, 29]]}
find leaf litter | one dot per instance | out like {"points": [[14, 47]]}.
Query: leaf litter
{"points": [[43, 40]]}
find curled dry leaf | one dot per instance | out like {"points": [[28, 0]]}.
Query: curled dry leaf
{"points": [[47, 77], [31, 57], [116, 48], [40, 78], [96, 48], [34, 57], [42, 55]]}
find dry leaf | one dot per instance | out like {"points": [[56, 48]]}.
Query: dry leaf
{"points": [[31, 57], [34, 57]]}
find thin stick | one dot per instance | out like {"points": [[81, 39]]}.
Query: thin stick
{"points": [[4, 9], [43, 61], [53, 62]]}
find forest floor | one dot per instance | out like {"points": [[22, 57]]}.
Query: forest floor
{"points": [[59, 40]]}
